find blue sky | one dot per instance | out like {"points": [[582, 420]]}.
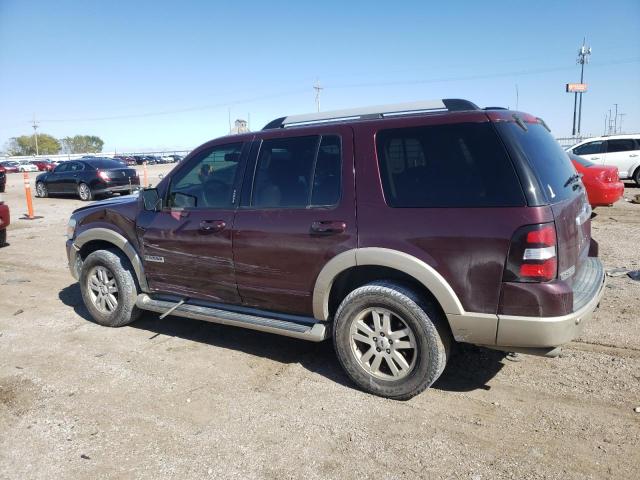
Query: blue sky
{"points": [[156, 74]]}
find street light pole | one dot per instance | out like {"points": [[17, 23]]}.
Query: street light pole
{"points": [[583, 57], [35, 132]]}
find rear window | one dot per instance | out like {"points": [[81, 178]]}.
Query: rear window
{"points": [[460, 165], [104, 163], [582, 161], [545, 156]]}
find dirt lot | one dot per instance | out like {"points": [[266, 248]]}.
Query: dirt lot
{"points": [[181, 398]]}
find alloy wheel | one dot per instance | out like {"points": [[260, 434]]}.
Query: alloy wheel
{"points": [[383, 344], [103, 289]]}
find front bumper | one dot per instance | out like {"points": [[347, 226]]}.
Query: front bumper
{"points": [[75, 262], [548, 332]]}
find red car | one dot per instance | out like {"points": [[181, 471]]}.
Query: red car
{"points": [[10, 167], [43, 166], [603, 185], [5, 220]]}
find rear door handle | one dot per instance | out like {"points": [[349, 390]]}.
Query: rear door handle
{"points": [[328, 227], [595, 158], [633, 155], [212, 226]]}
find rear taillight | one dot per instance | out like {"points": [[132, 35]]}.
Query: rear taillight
{"points": [[533, 254], [609, 176], [104, 176]]}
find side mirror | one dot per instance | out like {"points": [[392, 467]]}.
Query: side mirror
{"points": [[151, 199]]}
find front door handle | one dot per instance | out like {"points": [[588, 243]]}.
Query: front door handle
{"points": [[212, 226], [328, 227], [595, 158], [633, 155]]}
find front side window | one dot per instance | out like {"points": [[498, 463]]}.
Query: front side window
{"points": [[590, 148], [209, 181], [298, 172], [621, 145], [459, 165]]}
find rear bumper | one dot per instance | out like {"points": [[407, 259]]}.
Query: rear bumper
{"points": [[106, 189], [606, 194], [545, 332]]}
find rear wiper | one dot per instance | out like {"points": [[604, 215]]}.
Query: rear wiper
{"points": [[572, 179]]}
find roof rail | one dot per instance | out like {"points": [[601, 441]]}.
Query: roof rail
{"points": [[380, 111]]}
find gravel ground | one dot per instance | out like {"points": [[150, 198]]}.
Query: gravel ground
{"points": [[180, 398]]}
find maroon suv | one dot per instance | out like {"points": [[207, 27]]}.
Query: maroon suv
{"points": [[397, 230]]}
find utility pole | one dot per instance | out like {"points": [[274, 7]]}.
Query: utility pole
{"points": [[583, 57], [35, 132], [620, 127], [317, 88], [615, 120]]}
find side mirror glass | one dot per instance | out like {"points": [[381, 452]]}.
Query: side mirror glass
{"points": [[151, 199]]}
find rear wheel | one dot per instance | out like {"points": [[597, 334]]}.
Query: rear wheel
{"points": [[108, 288], [84, 192], [636, 176], [41, 190], [3, 237], [390, 341]]}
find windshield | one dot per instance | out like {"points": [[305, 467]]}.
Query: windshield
{"points": [[545, 156]]}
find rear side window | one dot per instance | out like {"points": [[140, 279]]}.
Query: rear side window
{"points": [[298, 172], [621, 145], [590, 148], [460, 165], [546, 157]]}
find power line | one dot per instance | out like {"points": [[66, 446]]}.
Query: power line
{"points": [[334, 87]]}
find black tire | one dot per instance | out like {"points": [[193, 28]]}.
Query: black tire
{"points": [[3, 237], [41, 190], [118, 265], [636, 176], [431, 337], [84, 192]]}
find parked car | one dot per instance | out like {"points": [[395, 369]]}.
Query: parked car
{"points": [[10, 166], [621, 151], [5, 220], [126, 160], [166, 159], [397, 235], [139, 159], [603, 185], [175, 158], [3, 179], [88, 178], [43, 165], [26, 166]]}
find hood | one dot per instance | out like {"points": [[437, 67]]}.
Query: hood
{"points": [[112, 202]]}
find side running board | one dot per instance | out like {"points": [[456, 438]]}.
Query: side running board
{"points": [[312, 330]]}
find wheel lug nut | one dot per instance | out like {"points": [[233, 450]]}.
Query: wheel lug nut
{"points": [[377, 349], [390, 342], [375, 339], [388, 350], [382, 334]]}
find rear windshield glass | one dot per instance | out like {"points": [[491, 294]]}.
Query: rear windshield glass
{"points": [[458, 165], [104, 163], [582, 161], [545, 156]]}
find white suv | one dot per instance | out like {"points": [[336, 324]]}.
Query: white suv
{"points": [[622, 151]]}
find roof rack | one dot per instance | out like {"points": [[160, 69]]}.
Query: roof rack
{"points": [[380, 111]]}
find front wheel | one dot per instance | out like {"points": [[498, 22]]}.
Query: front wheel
{"points": [[636, 176], [390, 341], [109, 289], [84, 192]]}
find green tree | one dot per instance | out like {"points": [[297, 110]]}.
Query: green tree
{"points": [[82, 144], [26, 145]]}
